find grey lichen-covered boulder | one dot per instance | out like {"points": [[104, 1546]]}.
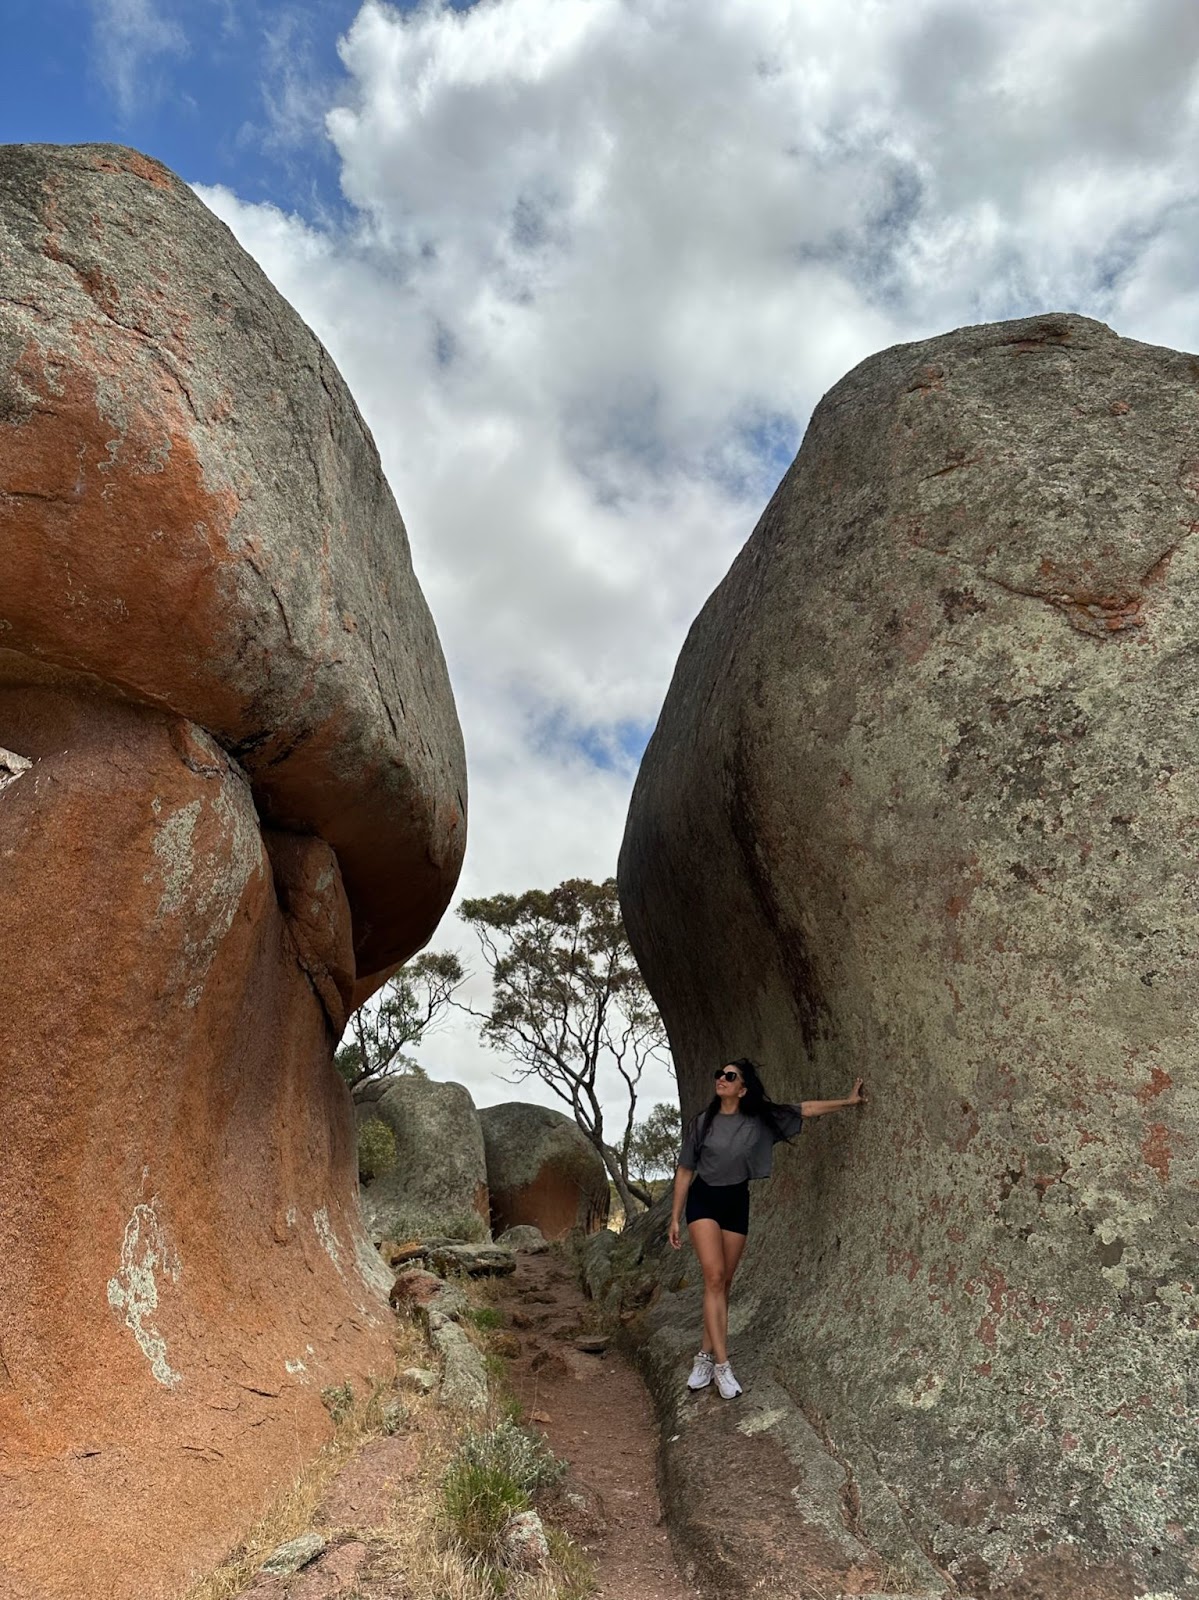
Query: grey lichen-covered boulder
{"points": [[542, 1170], [438, 1183], [921, 805]]}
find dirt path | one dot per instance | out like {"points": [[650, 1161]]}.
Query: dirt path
{"points": [[594, 1411]]}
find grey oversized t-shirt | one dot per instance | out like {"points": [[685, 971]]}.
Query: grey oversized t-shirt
{"points": [[737, 1147]]}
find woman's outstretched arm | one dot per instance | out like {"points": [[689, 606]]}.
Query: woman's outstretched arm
{"points": [[682, 1182], [817, 1108]]}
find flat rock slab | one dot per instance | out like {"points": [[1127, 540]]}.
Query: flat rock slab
{"points": [[592, 1344], [529, 1240], [335, 1575], [477, 1261], [363, 1493]]}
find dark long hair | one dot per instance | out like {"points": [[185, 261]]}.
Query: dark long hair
{"points": [[755, 1102]]}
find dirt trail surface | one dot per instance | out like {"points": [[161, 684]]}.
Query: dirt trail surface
{"points": [[594, 1411]]}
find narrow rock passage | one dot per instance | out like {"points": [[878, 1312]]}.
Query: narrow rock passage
{"points": [[595, 1412]]}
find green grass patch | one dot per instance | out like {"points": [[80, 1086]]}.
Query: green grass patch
{"points": [[479, 1498], [493, 1475], [486, 1317]]}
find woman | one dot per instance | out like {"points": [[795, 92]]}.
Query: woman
{"points": [[729, 1143]]}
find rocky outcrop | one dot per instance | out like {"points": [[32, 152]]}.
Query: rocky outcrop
{"points": [[922, 798], [232, 797], [541, 1170], [438, 1184]]}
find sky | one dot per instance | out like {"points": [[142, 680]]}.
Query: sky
{"points": [[587, 265]]}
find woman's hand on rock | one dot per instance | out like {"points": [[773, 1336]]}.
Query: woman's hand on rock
{"points": [[857, 1095]]}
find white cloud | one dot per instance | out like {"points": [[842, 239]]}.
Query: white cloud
{"points": [[608, 253], [132, 37]]}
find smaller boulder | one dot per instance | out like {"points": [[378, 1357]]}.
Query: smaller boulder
{"points": [[597, 1264], [524, 1239], [475, 1261], [464, 1372], [414, 1288], [526, 1548], [295, 1554], [437, 1183], [542, 1171], [422, 1379]]}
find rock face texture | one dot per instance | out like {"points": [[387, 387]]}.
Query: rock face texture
{"points": [[194, 513], [922, 799], [230, 796], [542, 1171], [438, 1185]]}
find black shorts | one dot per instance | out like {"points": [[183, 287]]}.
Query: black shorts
{"points": [[726, 1204]]}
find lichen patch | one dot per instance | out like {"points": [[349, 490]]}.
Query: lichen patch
{"points": [[12, 766], [133, 1290]]}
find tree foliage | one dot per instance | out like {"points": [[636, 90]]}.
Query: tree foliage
{"points": [[376, 1149], [410, 1003], [569, 1004], [654, 1147]]}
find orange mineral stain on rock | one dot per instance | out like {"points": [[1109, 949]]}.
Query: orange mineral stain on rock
{"points": [[1155, 1148], [99, 513], [1158, 1081]]}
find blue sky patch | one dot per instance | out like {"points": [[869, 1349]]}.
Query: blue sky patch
{"points": [[226, 92], [610, 747]]}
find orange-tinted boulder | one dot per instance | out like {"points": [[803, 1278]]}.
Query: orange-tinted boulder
{"points": [[193, 511], [542, 1171], [230, 794]]}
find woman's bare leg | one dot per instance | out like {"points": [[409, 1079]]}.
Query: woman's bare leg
{"points": [[734, 1249], [707, 1241]]}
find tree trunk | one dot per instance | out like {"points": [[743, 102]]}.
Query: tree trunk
{"points": [[627, 1191]]}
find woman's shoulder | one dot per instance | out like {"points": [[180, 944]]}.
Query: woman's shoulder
{"points": [[781, 1121]]}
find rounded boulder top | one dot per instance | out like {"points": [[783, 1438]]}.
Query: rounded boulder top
{"points": [[542, 1171], [194, 514]]}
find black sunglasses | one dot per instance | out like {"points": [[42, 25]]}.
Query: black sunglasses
{"points": [[729, 1075]]}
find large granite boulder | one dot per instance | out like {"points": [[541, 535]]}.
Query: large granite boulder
{"points": [[231, 798], [921, 805], [438, 1184], [542, 1171]]}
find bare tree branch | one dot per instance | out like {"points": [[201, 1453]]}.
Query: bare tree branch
{"points": [[412, 1002]]}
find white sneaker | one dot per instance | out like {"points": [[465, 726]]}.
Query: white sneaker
{"points": [[725, 1381], [701, 1372]]}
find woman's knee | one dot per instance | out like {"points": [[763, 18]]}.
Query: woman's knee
{"points": [[715, 1279]]}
